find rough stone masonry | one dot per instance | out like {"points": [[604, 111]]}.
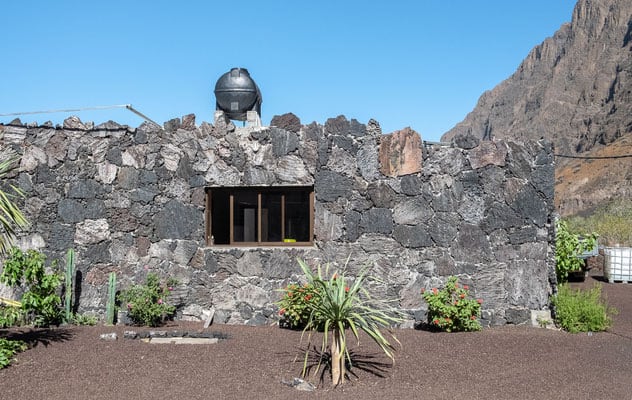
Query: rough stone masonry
{"points": [[132, 200]]}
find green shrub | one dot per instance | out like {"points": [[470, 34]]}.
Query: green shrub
{"points": [[83, 319], [612, 221], [451, 309], [567, 247], [10, 316], [581, 311], [295, 306], [147, 304], [40, 302], [8, 348]]}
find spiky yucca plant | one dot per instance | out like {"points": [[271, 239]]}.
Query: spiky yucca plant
{"points": [[11, 217], [338, 307]]}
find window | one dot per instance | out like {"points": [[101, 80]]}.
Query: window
{"points": [[247, 216]]}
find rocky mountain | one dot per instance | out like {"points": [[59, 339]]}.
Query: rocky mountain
{"points": [[575, 89], [581, 185]]}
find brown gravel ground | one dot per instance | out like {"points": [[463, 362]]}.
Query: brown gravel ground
{"points": [[511, 362]]}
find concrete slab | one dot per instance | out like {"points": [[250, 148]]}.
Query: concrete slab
{"points": [[542, 318], [180, 340]]}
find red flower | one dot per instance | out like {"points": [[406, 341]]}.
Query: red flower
{"points": [[335, 276], [480, 301], [456, 303], [308, 297], [159, 301], [473, 317], [462, 295], [289, 294], [436, 322], [282, 311], [434, 290], [423, 290], [466, 287]]}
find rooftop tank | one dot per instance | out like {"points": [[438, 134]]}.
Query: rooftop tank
{"points": [[236, 93]]}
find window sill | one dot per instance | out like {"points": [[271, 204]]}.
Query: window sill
{"points": [[259, 246]]}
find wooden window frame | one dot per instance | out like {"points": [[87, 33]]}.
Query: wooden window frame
{"points": [[259, 190]]}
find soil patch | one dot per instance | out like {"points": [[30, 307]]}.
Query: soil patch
{"points": [[510, 362]]}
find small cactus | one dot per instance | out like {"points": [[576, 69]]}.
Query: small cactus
{"points": [[70, 272], [111, 303]]}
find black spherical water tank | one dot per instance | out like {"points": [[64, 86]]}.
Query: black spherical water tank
{"points": [[237, 93]]}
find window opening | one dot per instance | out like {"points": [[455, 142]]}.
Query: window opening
{"points": [[243, 216]]}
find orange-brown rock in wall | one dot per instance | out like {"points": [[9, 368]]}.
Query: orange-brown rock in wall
{"points": [[400, 153]]}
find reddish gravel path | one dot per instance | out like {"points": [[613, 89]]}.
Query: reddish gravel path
{"points": [[499, 363]]}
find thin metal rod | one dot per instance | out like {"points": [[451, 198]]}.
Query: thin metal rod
{"points": [[146, 118], [126, 106]]}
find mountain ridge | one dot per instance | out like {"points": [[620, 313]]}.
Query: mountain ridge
{"points": [[575, 89]]}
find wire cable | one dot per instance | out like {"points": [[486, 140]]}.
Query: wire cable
{"points": [[593, 157], [126, 106]]}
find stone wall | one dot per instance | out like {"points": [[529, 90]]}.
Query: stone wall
{"points": [[132, 200]]}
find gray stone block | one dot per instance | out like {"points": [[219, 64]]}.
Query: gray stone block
{"points": [[377, 220], [412, 236], [381, 194], [517, 316], [177, 220], [330, 185], [283, 142], [70, 211]]}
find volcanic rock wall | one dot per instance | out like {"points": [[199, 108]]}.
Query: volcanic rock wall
{"points": [[132, 200]]}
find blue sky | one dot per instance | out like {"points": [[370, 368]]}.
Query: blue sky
{"points": [[421, 64]]}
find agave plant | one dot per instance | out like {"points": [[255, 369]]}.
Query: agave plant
{"points": [[339, 307], [10, 215]]}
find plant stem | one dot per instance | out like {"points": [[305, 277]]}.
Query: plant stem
{"points": [[338, 368]]}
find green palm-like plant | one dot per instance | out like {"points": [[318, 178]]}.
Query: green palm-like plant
{"points": [[10, 215], [338, 307]]}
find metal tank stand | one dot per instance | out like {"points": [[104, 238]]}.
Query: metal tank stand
{"points": [[252, 119]]}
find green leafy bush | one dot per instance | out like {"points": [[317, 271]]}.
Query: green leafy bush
{"points": [[567, 247], [8, 348], [295, 305], [451, 310], [147, 304], [10, 316], [40, 302], [581, 311]]}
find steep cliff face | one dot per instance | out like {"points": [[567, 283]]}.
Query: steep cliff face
{"points": [[574, 89]]}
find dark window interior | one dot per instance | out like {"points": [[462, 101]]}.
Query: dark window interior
{"points": [[260, 215]]}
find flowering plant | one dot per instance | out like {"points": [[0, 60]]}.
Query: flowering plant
{"points": [[295, 305], [450, 309], [146, 304]]}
